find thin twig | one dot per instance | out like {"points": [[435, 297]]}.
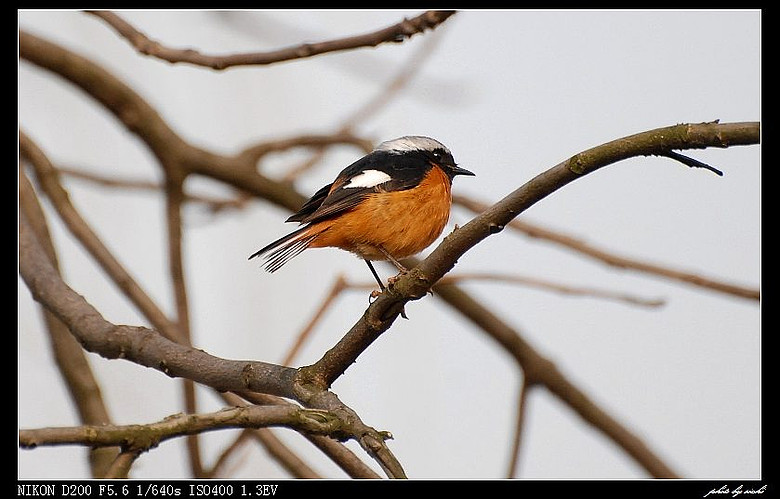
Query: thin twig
{"points": [[522, 400], [145, 437], [254, 153], [547, 285], [394, 34], [214, 204], [221, 463], [338, 286], [174, 197]]}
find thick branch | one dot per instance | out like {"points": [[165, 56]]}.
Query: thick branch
{"points": [[418, 281], [138, 344], [148, 348]]}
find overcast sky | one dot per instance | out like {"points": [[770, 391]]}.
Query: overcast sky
{"points": [[511, 93]]}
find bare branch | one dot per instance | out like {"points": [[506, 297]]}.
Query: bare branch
{"points": [[522, 400], [547, 285], [253, 154], [538, 370], [145, 437], [612, 259], [380, 100], [394, 34], [213, 204], [120, 468]]}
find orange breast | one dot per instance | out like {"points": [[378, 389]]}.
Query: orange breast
{"points": [[402, 222]]}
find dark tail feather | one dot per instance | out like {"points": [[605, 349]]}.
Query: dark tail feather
{"points": [[284, 249]]}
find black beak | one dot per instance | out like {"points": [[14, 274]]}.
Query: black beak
{"points": [[456, 170]]}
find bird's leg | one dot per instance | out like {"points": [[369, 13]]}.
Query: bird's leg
{"points": [[376, 276], [401, 268], [374, 293]]}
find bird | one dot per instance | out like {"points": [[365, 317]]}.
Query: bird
{"points": [[390, 204]]}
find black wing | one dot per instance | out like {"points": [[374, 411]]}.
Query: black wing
{"points": [[405, 172], [311, 205]]}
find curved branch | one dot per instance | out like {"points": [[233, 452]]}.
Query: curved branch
{"points": [[120, 468], [418, 281], [396, 33]]}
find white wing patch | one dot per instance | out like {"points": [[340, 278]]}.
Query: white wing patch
{"points": [[368, 178]]}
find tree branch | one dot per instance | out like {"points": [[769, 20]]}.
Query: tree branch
{"points": [[396, 33], [416, 283], [144, 437]]}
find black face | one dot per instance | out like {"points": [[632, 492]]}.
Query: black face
{"points": [[447, 163], [440, 157]]}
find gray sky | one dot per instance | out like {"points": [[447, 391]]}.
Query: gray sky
{"points": [[511, 93]]}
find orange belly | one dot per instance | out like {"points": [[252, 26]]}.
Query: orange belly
{"points": [[402, 222]]}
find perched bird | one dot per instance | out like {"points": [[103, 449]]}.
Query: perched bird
{"points": [[388, 205]]}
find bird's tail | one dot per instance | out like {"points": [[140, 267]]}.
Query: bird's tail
{"points": [[285, 248]]}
